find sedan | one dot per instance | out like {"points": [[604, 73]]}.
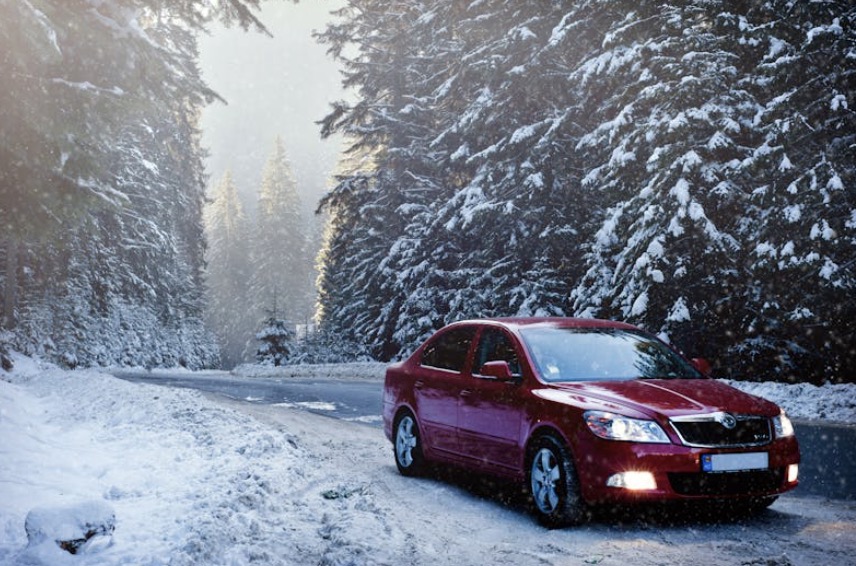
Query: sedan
{"points": [[584, 413]]}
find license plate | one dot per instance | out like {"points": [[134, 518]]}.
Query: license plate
{"points": [[735, 462]]}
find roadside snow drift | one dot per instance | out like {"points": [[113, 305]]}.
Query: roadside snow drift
{"points": [[190, 482]]}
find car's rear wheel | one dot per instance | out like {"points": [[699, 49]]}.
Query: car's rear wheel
{"points": [[408, 445], [553, 484]]}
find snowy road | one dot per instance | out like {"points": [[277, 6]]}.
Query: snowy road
{"points": [[827, 469], [456, 521], [202, 479]]}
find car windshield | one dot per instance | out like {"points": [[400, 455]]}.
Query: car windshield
{"points": [[601, 354]]}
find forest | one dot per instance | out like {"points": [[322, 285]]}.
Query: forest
{"points": [[102, 180], [259, 267], [688, 167]]}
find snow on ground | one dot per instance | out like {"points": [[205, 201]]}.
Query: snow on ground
{"points": [[183, 475], [192, 479]]}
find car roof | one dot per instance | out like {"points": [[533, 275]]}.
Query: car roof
{"points": [[515, 323]]}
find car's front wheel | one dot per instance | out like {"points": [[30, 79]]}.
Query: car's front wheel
{"points": [[553, 484], [408, 445]]}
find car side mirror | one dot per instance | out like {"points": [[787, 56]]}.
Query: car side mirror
{"points": [[702, 365], [497, 369]]}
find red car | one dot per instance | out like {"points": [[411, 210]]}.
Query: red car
{"points": [[585, 412]]}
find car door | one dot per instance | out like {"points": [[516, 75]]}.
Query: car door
{"points": [[490, 410], [438, 386]]}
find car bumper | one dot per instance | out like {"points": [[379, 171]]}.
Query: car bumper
{"points": [[628, 472]]}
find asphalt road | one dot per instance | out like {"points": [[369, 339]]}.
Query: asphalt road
{"points": [[348, 400], [828, 468]]}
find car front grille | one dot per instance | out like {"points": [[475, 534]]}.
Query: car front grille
{"points": [[712, 431], [724, 484]]}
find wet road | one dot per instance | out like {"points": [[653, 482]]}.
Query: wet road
{"points": [[346, 399], [828, 467]]}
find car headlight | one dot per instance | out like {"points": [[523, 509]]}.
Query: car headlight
{"points": [[617, 427], [783, 426]]}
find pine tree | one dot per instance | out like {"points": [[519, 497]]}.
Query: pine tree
{"points": [[275, 338], [390, 175], [229, 314], [280, 264], [504, 243], [800, 229], [98, 138], [664, 157], [467, 205]]}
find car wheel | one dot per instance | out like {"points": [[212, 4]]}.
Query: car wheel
{"points": [[553, 484], [408, 446]]}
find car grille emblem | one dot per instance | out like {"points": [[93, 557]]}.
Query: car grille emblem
{"points": [[727, 420], [722, 429]]}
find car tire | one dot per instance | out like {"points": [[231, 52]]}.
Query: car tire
{"points": [[407, 445], [553, 484]]}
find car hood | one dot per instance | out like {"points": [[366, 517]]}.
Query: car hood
{"points": [[668, 397]]}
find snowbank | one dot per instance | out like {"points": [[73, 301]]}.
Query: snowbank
{"points": [[806, 401], [190, 482]]}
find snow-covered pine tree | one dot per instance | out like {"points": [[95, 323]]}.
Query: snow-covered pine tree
{"points": [[280, 262], [661, 149], [58, 118], [63, 94], [229, 312], [800, 230], [106, 96], [477, 165], [661, 139], [276, 337], [394, 57], [454, 253], [503, 240], [276, 342], [496, 221]]}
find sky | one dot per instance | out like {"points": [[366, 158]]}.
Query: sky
{"points": [[273, 86]]}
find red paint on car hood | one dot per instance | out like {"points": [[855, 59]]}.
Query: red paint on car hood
{"points": [[669, 397]]}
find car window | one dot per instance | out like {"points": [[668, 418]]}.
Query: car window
{"points": [[449, 350], [562, 354], [495, 345]]}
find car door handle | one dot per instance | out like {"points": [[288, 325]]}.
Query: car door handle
{"points": [[466, 392], [418, 384]]}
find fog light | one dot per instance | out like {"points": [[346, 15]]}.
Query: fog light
{"points": [[634, 481], [793, 473]]}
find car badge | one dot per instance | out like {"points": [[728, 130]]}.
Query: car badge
{"points": [[727, 420]]}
